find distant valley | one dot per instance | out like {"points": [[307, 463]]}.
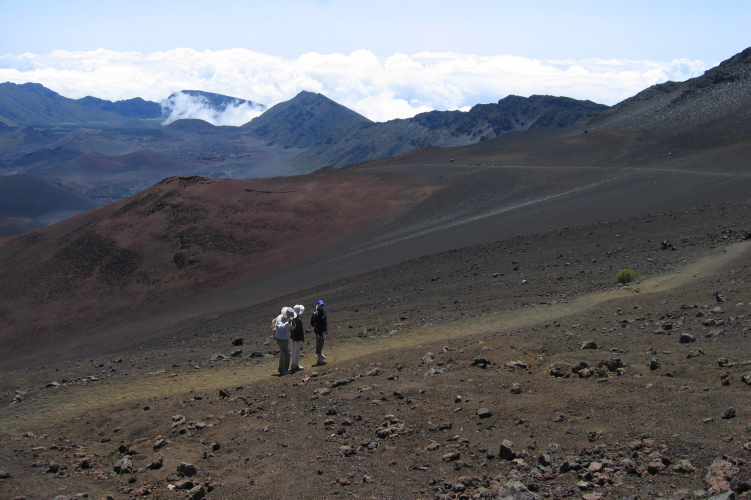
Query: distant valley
{"points": [[108, 151]]}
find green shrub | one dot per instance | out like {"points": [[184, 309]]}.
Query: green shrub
{"points": [[626, 276]]}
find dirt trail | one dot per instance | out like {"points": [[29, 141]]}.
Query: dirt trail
{"points": [[78, 400]]}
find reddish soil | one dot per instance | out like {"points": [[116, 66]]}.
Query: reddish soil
{"points": [[384, 419]]}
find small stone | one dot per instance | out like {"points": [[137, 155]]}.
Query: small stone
{"points": [[450, 457], [686, 338], [484, 413], [124, 465], [187, 469], [589, 345], [156, 463], [347, 451], [516, 388], [481, 362], [729, 413], [683, 466], [238, 341], [560, 370], [506, 451], [654, 364], [197, 493], [160, 442]]}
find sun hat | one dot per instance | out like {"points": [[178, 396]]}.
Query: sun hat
{"points": [[289, 312], [299, 309]]}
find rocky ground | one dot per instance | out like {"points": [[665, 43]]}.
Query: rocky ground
{"points": [[515, 369]]}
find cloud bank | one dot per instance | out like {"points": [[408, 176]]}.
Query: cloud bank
{"points": [[398, 86], [181, 105]]}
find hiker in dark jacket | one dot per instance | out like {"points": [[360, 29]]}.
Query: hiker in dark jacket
{"points": [[319, 322], [297, 337]]}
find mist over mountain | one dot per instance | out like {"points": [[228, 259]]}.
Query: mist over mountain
{"points": [[216, 109]]}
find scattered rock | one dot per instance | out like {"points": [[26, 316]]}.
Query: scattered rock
{"points": [[156, 464], [347, 451], [560, 370], [481, 362], [238, 341], [514, 365], [484, 413], [197, 493], [186, 469], [654, 364], [686, 338], [729, 413], [666, 245], [506, 451], [159, 442], [442, 426], [516, 388], [719, 475], [124, 465], [515, 490], [683, 466], [589, 345]]}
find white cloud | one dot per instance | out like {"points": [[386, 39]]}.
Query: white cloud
{"points": [[398, 86], [183, 105]]}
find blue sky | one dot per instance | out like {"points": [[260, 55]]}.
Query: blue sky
{"points": [[383, 58]]}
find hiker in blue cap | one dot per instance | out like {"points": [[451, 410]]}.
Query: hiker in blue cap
{"points": [[320, 326]]}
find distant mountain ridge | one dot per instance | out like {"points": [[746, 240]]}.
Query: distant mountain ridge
{"points": [[371, 141], [86, 142], [33, 104], [305, 120]]}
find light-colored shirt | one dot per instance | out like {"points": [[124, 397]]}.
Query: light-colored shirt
{"points": [[282, 328]]}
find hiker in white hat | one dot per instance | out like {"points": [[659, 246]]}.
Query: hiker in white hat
{"points": [[282, 334]]}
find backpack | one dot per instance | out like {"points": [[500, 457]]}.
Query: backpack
{"points": [[273, 324]]}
